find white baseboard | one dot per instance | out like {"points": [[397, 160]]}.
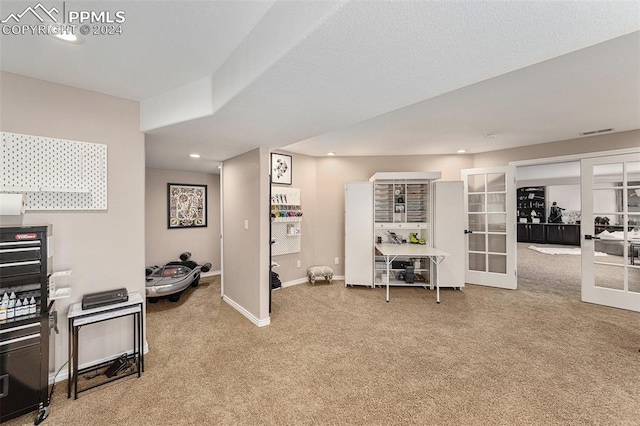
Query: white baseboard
{"points": [[247, 314], [306, 280], [210, 274], [64, 373]]}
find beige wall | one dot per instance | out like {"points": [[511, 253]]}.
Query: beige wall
{"points": [[334, 172], [245, 273], [621, 140], [105, 249], [163, 244], [303, 177]]}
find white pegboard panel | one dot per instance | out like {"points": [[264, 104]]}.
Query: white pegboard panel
{"points": [[285, 243], [54, 174]]}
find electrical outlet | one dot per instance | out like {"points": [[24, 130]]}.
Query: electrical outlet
{"points": [[298, 264], [337, 260]]}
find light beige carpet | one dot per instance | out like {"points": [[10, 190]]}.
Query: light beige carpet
{"points": [[336, 355]]}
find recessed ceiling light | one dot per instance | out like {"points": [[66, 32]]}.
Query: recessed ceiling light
{"points": [[63, 34], [461, 151], [331, 153], [194, 155]]}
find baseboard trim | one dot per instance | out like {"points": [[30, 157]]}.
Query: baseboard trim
{"points": [[64, 373], [247, 314], [295, 282], [210, 274], [306, 280]]}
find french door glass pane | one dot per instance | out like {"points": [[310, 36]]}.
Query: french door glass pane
{"points": [[633, 171], [477, 262], [610, 222], [610, 174], [477, 242], [496, 182], [607, 201], [497, 243], [633, 199], [634, 278], [634, 225], [477, 222], [475, 183], [497, 222], [476, 203], [498, 263], [610, 276], [496, 202]]}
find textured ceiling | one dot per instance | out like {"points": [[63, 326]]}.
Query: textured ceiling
{"points": [[357, 78]]}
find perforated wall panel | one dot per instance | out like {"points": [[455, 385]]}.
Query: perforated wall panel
{"points": [[54, 174]]}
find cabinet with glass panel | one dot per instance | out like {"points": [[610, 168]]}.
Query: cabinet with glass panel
{"points": [[401, 215]]}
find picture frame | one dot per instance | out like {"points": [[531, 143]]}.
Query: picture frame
{"points": [[186, 206], [281, 169]]}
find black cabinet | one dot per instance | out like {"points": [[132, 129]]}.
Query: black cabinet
{"points": [[562, 234], [24, 333], [531, 233], [19, 386]]}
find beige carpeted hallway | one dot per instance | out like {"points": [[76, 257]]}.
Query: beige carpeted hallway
{"points": [[336, 355]]}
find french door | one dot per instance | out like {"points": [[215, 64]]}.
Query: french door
{"points": [[611, 229], [490, 209]]}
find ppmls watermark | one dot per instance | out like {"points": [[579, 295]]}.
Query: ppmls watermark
{"points": [[63, 21]]}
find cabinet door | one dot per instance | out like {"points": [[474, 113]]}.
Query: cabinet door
{"points": [[523, 233], [448, 231], [358, 241], [536, 233], [571, 235], [554, 234], [20, 376]]}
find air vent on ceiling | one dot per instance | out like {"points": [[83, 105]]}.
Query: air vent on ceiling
{"points": [[596, 132]]}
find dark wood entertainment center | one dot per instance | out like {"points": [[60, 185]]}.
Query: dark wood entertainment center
{"points": [[549, 233]]}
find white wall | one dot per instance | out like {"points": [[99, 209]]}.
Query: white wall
{"points": [[567, 197]]}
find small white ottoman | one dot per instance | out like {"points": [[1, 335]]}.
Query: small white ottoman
{"points": [[319, 271]]}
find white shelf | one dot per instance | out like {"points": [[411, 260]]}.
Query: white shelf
{"points": [[61, 293], [287, 219], [402, 225], [72, 190], [19, 189]]}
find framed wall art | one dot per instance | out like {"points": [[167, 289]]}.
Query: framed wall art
{"points": [[281, 169], [187, 206]]}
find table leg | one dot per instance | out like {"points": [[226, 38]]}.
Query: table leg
{"points": [[437, 281], [69, 356], [76, 335], [388, 276]]}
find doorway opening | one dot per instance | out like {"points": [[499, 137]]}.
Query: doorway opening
{"points": [[548, 228]]}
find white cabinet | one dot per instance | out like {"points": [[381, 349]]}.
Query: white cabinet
{"points": [[448, 234], [358, 262], [406, 208]]}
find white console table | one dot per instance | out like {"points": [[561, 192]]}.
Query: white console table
{"points": [[77, 317], [391, 251]]}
